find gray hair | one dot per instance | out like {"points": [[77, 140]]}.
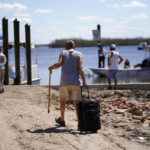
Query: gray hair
{"points": [[70, 43]]}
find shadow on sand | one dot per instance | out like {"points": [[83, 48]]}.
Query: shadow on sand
{"points": [[57, 129]]}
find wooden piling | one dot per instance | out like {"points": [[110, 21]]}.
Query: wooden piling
{"points": [[17, 51], [5, 49], [28, 54], [99, 29], [99, 42]]}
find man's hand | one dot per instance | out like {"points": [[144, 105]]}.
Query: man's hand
{"points": [[50, 69], [85, 85]]}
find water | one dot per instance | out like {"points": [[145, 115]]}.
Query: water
{"points": [[47, 56]]}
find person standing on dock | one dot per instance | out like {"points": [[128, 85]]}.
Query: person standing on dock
{"points": [[113, 61], [70, 62], [101, 54], [2, 70]]}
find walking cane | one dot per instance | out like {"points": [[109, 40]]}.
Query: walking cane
{"points": [[49, 91]]}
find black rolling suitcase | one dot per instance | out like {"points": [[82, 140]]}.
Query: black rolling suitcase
{"points": [[88, 115]]}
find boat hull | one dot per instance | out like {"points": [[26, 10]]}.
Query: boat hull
{"points": [[131, 72], [23, 74]]}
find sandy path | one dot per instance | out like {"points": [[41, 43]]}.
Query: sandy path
{"points": [[26, 125]]}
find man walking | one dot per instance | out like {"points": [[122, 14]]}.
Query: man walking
{"points": [[2, 70], [70, 62], [113, 61]]}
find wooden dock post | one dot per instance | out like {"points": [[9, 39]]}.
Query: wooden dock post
{"points": [[99, 29], [99, 42], [28, 54], [5, 49], [17, 51]]}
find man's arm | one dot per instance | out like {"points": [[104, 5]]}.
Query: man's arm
{"points": [[81, 71], [56, 65], [121, 59]]}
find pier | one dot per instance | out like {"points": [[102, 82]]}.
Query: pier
{"points": [[16, 44]]}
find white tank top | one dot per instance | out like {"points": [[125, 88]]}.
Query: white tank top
{"points": [[114, 60]]}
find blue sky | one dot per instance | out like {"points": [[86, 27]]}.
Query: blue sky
{"points": [[56, 19]]}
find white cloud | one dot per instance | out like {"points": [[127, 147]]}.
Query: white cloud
{"points": [[138, 16], [22, 19], [21, 15], [43, 11], [113, 6], [88, 18], [4, 7], [102, 1], [122, 31], [93, 18], [132, 4], [51, 33]]}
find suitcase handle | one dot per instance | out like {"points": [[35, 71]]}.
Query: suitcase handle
{"points": [[87, 91]]}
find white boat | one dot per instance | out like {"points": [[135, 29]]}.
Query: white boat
{"points": [[23, 71], [129, 72], [23, 74], [144, 46], [23, 67], [139, 70]]}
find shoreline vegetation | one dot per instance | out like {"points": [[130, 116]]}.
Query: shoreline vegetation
{"points": [[79, 42]]}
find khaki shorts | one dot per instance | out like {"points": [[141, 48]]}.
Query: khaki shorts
{"points": [[70, 92]]}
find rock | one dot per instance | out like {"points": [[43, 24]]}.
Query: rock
{"points": [[122, 125], [138, 117], [125, 114], [147, 117], [117, 121], [137, 121], [120, 111]]}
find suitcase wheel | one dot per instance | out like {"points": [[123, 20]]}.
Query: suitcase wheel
{"points": [[94, 131]]}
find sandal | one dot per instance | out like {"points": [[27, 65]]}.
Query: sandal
{"points": [[61, 123]]}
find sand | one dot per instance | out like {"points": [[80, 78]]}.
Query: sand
{"points": [[26, 125]]}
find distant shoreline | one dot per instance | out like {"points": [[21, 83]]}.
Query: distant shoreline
{"points": [[105, 42]]}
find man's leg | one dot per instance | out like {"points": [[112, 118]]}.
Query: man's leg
{"points": [[63, 97], [100, 61], [75, 102], [62, 110], [109, 83], [109, 76], [104, 62], [76, 97], [115, 80], [60, 120]]}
